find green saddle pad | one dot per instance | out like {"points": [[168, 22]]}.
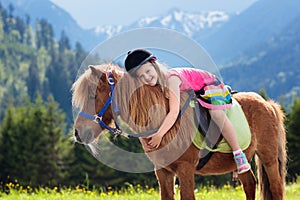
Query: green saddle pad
{"points": [[236, 115]]}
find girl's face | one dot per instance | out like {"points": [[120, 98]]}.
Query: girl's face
{"points": [[147, 74]]}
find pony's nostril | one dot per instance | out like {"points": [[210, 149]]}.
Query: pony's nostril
{"points": [[76, 134]]}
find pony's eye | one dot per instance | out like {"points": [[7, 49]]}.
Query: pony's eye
{"points": [[93, 96]]}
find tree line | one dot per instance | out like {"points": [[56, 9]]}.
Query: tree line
{"points": [[33, 62], [35, 151], [36, 73]]}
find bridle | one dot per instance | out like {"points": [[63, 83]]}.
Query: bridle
{"points": [[116, 131], [97, 118]]}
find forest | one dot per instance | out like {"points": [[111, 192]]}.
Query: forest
{"points": [[36, 74]]}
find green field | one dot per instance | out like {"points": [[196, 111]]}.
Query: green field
{"points": [[129, 193]]}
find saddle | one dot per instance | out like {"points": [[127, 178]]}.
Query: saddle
{"points": [[208, 129]]}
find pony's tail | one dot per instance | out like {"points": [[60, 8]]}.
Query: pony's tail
{"points": [[265, 192]]}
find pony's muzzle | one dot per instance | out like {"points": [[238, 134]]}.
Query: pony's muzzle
{"points": [[84, 136]]}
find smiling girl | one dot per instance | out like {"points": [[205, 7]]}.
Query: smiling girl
{"points": [[213, 95]]}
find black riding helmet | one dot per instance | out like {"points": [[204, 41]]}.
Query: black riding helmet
{"points": [[136, 58]]}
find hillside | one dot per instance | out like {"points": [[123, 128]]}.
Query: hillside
{"points": [[224, 35], [60, 20], [260, 22], [257, 46], [273, 65], [202, 23], [33, 63]]}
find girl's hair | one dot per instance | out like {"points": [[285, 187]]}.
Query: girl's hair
{"points": [[161, 70]]}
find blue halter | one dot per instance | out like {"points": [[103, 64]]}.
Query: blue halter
{"points": [[98, 117]]}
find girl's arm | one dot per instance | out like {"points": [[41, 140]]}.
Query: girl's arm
{"points": [[174, 107]]}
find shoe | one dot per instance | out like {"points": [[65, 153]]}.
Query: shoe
{"points": [[242, 163]]}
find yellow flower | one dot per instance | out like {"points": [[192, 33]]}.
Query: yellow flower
{"points": [[227, 186], [102, 194]]}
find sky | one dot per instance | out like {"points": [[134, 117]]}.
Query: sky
{"points": [[91, 13]]}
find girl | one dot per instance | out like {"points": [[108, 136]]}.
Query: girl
{"points": [[142, 64]]}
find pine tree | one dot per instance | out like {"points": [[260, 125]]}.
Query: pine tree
{"points": [[47, 35], [33, 81], [15, 143], [263, 93], [1, 27], [293, 138], [33, 146], [60, 79], [80, 54], [64, 42], [8, 147]]}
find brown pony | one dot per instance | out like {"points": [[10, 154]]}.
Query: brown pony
{"points": [[138, 104]]}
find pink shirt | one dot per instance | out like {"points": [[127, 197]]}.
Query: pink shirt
{"points": [[195, 79], [191, 78]]}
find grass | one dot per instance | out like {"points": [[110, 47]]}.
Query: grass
{"points": [[129, 192]]}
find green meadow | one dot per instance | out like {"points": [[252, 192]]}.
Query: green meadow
{"points": [[129, 192]]}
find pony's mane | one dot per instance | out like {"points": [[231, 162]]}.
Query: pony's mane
{"points": [[88, 81], [144, 108]]}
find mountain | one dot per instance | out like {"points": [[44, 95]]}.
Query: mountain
{"points": [[56, 16], [225, 36], [201, 24], [190, 24], [260, 22], [273, 65], [258, 48]]}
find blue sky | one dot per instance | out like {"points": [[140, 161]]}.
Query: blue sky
{"points": [[91, 13]]}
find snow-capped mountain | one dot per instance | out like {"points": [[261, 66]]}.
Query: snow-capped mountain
{"points": [[223, 35], [201, 24], [190, 24], [187, 23]]}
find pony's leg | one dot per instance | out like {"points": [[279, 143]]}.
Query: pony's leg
{"points": [[186, 173], [166, 180], [271, 162], [273, 181], [249, 184]]}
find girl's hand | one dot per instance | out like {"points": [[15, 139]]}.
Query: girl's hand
{"points": [[155, 139], [173, 83], [147, 148]]}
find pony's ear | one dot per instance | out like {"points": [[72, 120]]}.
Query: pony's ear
{"points": [[95, 72], [118, 74]]}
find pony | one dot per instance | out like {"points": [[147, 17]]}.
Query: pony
{"points": [[137, 106]]}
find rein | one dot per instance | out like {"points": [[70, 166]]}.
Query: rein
{"points": [[116, 131]]}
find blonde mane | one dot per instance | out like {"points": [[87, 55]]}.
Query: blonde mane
{"points": [[88, 82], [144, 108]]}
